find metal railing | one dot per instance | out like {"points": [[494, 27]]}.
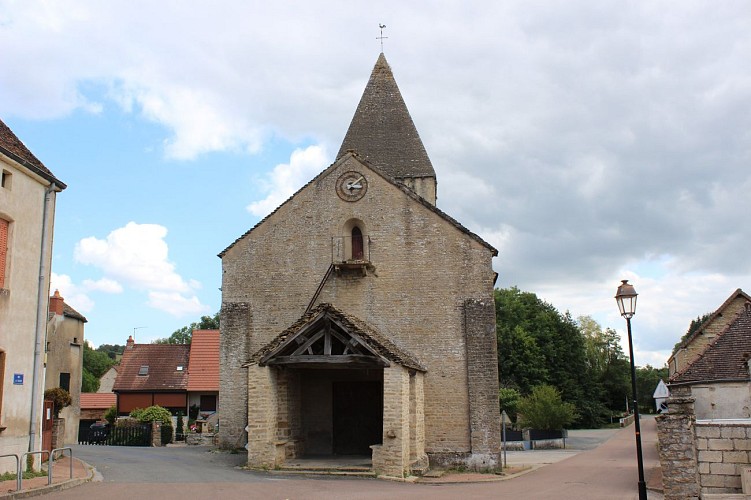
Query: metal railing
{"points": [[23, 460], [19, 472], [51, 462]]}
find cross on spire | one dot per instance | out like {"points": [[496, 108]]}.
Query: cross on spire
{"points": [[381, 37]]}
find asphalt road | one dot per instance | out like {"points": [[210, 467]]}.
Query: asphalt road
{"points": [[607, 471]]}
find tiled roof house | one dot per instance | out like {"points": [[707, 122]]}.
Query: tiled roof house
{"points": [[175, 376], [719, 376], [203, 370]]}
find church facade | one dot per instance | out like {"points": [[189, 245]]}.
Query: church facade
{"points": [[358, 318]]}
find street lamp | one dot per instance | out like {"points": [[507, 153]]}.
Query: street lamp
{"points": [[626, 299]]}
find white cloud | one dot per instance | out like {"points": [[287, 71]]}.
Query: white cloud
{"points": [[103, 285], [602, 133], [74, 295], [287, 178], [176, 304], [137, 255]]}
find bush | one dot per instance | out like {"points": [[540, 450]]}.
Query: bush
{"points": [[152, 414], [166, 433], [60, 399], [180, 432], [111, 414], [544, 409]]}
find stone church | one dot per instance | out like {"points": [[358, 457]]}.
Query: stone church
{"points": [[358, 318]]}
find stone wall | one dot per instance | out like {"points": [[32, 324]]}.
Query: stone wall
{"points": [[235, 327], [700, 457], [675, 432], [482, 376]]}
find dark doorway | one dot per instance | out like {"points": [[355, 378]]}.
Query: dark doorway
{"points": [[357, 246], [357, 416]]}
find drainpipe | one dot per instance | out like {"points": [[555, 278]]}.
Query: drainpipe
{"points": [[42, 311]]}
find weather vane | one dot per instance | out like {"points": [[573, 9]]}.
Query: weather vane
{"points": [[381, 37]]}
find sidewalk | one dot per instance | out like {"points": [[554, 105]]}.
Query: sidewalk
{"points": [[61, 479]]}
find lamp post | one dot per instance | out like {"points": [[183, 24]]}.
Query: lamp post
{"points": [[626, 299]]}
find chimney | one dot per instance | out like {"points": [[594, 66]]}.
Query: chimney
{"points": [[130, 343], [56, 304]]}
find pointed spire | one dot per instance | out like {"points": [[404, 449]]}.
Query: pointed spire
{"points": [[382, 131]]}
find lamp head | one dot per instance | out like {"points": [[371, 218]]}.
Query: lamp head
{"points": [[626, 299]]}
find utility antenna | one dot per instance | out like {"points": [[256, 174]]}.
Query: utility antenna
{"points": [[134, 331], [381, 37]]}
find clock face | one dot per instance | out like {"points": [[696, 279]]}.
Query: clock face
{"points": [[351, 186]]}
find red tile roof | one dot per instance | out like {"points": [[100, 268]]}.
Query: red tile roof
{"points": [[203, 370], [162, 361], [97, 400]]}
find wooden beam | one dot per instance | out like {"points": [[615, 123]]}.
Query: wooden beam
{"points": [[342, 361]]}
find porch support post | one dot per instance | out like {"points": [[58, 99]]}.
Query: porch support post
{"points": [[262, 417], [392, 458], [417, 457]]}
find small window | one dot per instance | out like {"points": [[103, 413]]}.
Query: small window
{"points": [[5, 183], [144, 370], [179, 368], [65, 381]]}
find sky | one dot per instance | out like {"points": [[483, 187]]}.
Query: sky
{"points": [[589, 142]]}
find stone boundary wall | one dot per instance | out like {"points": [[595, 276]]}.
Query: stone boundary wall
{"points": [[724, 448], [700, 457]]}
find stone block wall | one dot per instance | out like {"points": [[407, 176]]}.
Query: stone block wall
{"points": [[235, 326], [700, 457], [724, 448], [262, 417], [482, 377], [392, 457]]}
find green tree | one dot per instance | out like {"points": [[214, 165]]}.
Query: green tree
{"points": [[647, 378], [89, 383], [508, 399], [608, 365], [185, 334], [544, 409], [538, 345], [95, 364], [154, 413], [113, 351], [695, 325]]}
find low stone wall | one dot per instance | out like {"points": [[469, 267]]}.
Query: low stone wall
{"points": [[700, 457], [723, 450]]}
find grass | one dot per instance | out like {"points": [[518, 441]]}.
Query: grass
{"points": [[11, 476]]}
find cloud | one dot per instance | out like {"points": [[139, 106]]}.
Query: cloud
{"points": [[584, 139], [137, 256], [74, 295], [286, 178], [176, 304]]}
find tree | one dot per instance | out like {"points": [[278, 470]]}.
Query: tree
{"points": [[647, 378], [544, 409], [95, 364], [695, 325], [538, 345], [608, 365], [185, 334], [112, 350], [508, 399]]}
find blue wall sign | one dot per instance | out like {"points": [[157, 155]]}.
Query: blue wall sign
{"points": [[18, 379]]}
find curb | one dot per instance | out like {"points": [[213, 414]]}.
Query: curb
{"points": [[49, 488]]}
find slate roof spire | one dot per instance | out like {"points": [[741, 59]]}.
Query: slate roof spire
{"points": [[382, 131]]}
